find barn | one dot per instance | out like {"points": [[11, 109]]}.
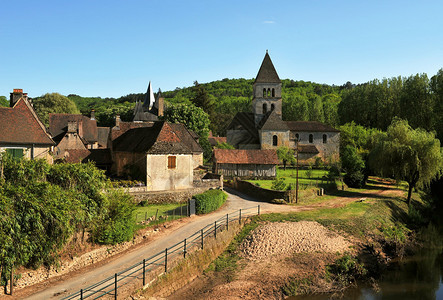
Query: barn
{"points": [[245, 163]]}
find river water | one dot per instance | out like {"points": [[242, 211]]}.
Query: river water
{"points": [[418, 277]]}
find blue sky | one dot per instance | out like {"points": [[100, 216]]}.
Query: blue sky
{"points": [[113, 48]]}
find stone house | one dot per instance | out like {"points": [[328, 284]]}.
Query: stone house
{"points": [[22, 134], [264, 127], [245, 163], [161, 154]]}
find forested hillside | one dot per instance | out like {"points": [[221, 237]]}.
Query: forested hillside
{"points": [[417, 98]]}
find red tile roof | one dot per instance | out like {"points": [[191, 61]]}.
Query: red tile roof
{"points": [[19, 125], [258, 157]]}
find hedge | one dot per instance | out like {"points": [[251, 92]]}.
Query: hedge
{"points": [[209, 201]]}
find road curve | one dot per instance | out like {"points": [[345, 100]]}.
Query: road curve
{"points": [[74, 283]]}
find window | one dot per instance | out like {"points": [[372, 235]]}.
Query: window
{"points": [[325, 138], [265, 108], [273, 92], [269, 93], [264, 93], [274, 140], [311, 138], [297, 137], [272, 107], [15, 153], [172, 162]]}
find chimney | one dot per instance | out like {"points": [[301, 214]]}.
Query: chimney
{"points": [[161, 102], [80, 128], [117, 121], [93, 114], [72, 127], [16, 95]]}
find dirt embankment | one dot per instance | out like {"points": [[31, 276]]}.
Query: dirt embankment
{"points": [[273, 253]]}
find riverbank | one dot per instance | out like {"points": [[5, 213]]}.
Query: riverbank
{"points": [[376, 228]]}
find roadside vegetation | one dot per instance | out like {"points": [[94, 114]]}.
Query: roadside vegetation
{"points": [[209, 201]]}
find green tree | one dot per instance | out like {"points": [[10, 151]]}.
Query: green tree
{"points": [[53, 103], [354, 165], [413, 155], [224, 145], [285, 155], [4, 101], [194, 118]]}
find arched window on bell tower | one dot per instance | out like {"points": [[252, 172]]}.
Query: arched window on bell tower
{"points": [[273, 92], [269, 93], [264, 93], [265, 108], [274, 140], [272, 106]]}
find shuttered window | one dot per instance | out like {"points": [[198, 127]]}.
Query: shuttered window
{"points": [[172, 162], [15, 153]]}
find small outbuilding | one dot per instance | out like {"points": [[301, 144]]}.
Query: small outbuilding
{"points": [[245, 163]]}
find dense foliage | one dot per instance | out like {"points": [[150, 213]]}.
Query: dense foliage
{"points": [[209, 201], [42, 206], [53, 103], [413, 155]]}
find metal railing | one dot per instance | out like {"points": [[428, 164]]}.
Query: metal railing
{"points": [[158, 264]]}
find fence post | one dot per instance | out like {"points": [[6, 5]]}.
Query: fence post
{"points": [[115, 287], [166, 260], [227, 221], [239, 217], [146, 216], [81, 294], [202, 237], [259, 210], [215, 229], [144, 272], [184, 250]]}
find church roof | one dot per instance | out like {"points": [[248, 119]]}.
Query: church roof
{"points": [[272, 121], [149, 97], [310, 126], [267, 73]]}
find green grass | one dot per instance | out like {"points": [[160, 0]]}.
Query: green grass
{"points": [[170, 210], [290, 175]]}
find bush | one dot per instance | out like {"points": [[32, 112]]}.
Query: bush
{"points": [[354, 179], [278, 185], [118, 225], [209, 201], [346, 269]]}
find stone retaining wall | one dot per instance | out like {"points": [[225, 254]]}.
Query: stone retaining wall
{"points": [[259, 193]]}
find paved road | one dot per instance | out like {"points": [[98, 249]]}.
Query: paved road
{"points": [[234, 202]]}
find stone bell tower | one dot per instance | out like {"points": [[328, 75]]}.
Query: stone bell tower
{"points": [[266, 91]]}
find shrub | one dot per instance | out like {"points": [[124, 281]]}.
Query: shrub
{"points": [[118, 225], [209, 201], [278, 184], [346, 269]]}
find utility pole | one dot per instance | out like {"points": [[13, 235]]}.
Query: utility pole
{"points": [[296, 176]]}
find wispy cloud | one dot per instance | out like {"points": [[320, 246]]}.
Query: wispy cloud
{"points": [[268, 22]]}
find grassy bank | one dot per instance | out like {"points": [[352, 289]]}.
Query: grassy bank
{"points": [[379, 224]]}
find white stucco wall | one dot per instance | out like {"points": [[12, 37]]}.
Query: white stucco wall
{"points": [[160, 178]]}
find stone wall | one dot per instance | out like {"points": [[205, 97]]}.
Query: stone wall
{"points": [[259, 193], [209, 181]]}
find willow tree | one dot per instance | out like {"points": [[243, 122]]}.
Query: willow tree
{"points": [[412, 155]]}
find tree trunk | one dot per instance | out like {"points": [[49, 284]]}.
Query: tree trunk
{"points": [[408, 200]]}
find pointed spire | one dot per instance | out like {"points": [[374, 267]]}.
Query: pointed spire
{"points": [[267, 73], [149, 97]]}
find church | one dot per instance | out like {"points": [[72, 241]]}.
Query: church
{"points": [[264, 128]]}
